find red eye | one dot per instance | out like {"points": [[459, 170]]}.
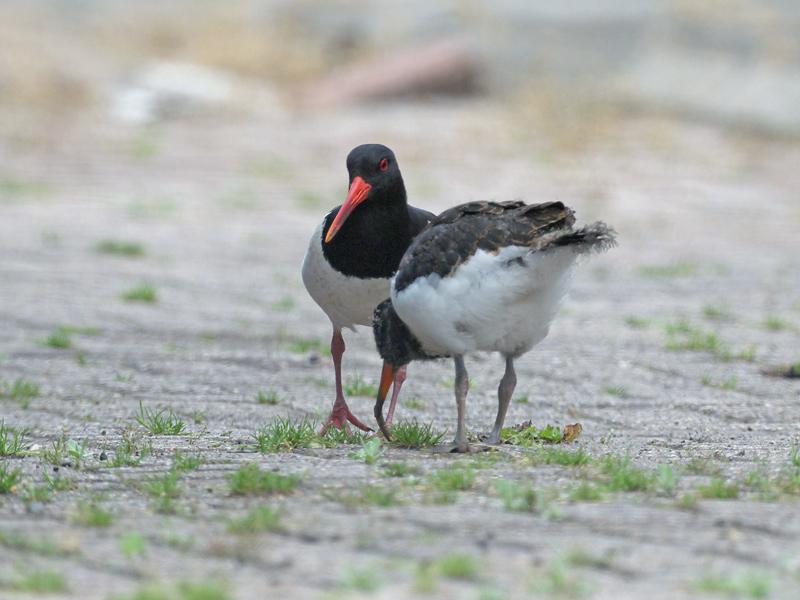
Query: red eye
{"points": [[384, 164]]}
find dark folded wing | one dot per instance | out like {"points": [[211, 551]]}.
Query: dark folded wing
{"points": [[456, 234]]}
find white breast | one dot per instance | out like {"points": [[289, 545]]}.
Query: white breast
{"points": [[348, 301], [501, 302]]}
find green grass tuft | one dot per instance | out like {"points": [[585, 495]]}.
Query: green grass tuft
{"points": [[356, 386], [720, 489], [9, 478], [452, 480], [270, 397], [622, 476], [164, 490], [305, 345], [59, 339], [617, 390], [558, 456], [12, 441], [144, 292], [414, 403], [369, 452], [516, 496], [132, 544], [130, 451], [284, 435], [586, 491], [668, 271], [89, 513], [249, 479], [21, 391], [635, 322], [160, 422], [399, 469], [413, 434], [257, 519], [120, 248], [457, 566], [530, 436], [40, 581], [750, 585]]}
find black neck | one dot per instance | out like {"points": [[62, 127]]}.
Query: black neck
{"points": [[394, 340], [374, 237]]}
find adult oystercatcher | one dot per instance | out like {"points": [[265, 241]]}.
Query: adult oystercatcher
{"points": [[484, 276], [354, 252]]}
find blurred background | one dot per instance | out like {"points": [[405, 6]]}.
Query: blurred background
{"points": [[163, 164]]}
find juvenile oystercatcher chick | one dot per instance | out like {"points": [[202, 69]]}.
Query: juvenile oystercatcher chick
{"points": [[354, 252], [484, 276]]}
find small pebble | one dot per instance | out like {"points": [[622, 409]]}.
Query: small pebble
{"points": [[103, 455]]}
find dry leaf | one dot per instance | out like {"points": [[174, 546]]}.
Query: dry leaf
{"points": [[571, 432]]}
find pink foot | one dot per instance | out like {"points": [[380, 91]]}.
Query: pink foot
{"points": [[340, 416]]}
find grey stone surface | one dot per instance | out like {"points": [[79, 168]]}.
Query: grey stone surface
{"points": [[223, 208]]}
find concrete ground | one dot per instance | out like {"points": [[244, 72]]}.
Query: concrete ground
{"points": [[658, 353]]}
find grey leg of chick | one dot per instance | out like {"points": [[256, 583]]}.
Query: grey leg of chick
{"points": [[461, 389], [504, 392]]}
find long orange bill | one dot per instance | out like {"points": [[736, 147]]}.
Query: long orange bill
{"points": [[358, 192], [387, 377]]}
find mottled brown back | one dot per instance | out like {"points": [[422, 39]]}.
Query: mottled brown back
{"points": [[456, 234]]}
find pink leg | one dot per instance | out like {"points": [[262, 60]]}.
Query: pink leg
{"points": [[399, 378], [340, 414]]}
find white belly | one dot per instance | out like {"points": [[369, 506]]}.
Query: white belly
{"points": [[490, 303], [348, 301]]}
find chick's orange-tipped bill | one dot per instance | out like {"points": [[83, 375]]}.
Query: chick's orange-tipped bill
{"points": [[387, 376], [358, 192]]}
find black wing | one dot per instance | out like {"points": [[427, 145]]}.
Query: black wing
{"points": [[456, 234]]}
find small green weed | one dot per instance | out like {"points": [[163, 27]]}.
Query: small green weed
{"points": [[132, 544], [120, 248], [399, 469], [144, 293], [457, 566], [259, 518], [668, 271], [414, 403], [40, 581], [90, 513], [413, 434], [622, 476], [356, 386], [164, 490], [160, 422], [270, 397], [516, 496], [719, 488], [558, 456], [284, 435], [22, 390], [750, 585], [775, 323], [9, 478], [12, 441], [130, 451], [306, 345], [369, 452], [249, 479]]}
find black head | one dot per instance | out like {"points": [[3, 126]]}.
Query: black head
{"points": [[375, 179], [376, 165], [396, 344]]}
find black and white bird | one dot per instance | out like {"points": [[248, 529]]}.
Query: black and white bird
{"points": [[355, 251], [484, 276]]}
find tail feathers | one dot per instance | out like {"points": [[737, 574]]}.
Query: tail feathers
{"points": [[597, 237]]}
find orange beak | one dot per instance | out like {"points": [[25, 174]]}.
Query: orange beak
{"points": [[387, 376], [358, 192]]}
